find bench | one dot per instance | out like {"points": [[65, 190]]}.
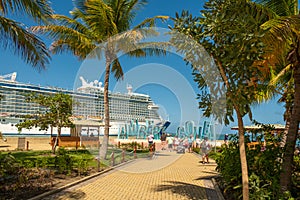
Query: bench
{"points": [[69, 141]]}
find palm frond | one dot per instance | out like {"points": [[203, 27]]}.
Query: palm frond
{"points": [[147, 52], [77, 14], [78, 48], [280, 75], [121, 18], [260, 12], [117, 69], [149, 49], [25, 44], [99, 18], [282, 29], [39, 10], [135, 5], [57, 32], [280, 8], [150, 22], [80, 5], [68, 22]]}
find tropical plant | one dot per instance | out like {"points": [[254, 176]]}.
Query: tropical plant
{"points": [[58, 113], [15, 36], [92, 33], [284, 39], [264, 168], [233, 40]]}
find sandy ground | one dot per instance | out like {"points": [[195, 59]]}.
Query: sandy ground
{"points": [[28, 143], [43, 143]]}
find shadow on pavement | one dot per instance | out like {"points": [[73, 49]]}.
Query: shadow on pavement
{"points": [[208, 177], [184, 189], [70, 195], [162, 154], [209, 172]]}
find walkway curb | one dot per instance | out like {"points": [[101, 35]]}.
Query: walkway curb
{"points": [[217, 188], [38, 197], [214, 182]]}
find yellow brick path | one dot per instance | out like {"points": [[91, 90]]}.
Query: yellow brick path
{"points": [[167, 176]]}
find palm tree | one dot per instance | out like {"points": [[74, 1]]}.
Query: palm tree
{"points": [[284, 39], [14, 36], [95, 24]]}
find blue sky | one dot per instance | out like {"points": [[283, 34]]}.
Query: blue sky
{"points": [[168, 93]]}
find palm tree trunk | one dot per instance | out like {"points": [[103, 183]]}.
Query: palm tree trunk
{"points": [[287, 125], [288, 158], [104, 146], [245, 179]]}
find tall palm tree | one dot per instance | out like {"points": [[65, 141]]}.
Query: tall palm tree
{"points": [[283, 37], [95, 24], [15, 36]]}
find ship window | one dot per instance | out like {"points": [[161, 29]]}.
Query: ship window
{"points": [[3, 120], [20, 120]]}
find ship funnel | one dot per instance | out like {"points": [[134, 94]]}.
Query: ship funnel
{"points": [[129, 89], [13, 77]]}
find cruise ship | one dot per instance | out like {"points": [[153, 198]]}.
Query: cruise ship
{"points": [[125, 109]]}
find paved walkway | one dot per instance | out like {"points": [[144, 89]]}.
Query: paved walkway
{"points": [[167, 176]]}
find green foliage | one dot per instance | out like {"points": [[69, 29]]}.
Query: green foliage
{"points": [[57, 114], [296, 176], [101, 30], [264, 169], [8, 165], [15, 36], [260, 191], [131, 146], [196, 150], [82, 164], [233, 39], [64, 162], [229, 166]]}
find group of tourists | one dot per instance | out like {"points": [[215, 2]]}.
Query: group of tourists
{"points": [[170, 143]]}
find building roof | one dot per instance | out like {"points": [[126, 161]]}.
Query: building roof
{"points": [[254, 127], [85, 122]]}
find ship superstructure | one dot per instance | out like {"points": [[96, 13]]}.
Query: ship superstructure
{"points": [[88, 104]]}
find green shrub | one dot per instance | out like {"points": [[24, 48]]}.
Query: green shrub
{"points": [[63, 161], [296, 177], [132, 145], [196, 150], [8, 165], [229, 166], [28, 163], [259, 190], [263, 167]]}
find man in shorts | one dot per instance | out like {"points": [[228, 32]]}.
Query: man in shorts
{"points": [[163, 139], [205, 147]]}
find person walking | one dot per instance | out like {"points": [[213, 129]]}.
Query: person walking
{"points": [[170, 142], [198, 142], [176, 142], [205, 147], [190, 143], [150, 144], [163, 139]]}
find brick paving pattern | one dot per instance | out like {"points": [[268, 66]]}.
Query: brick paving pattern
{"points": [[166, 176]]}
